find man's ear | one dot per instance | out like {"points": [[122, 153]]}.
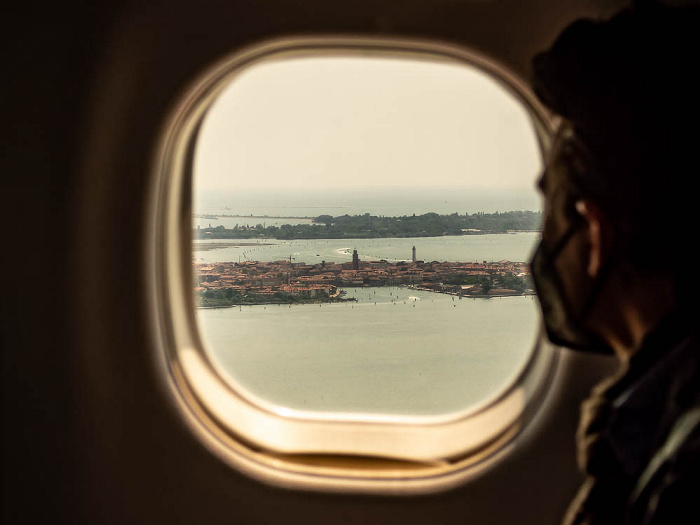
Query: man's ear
{"points": [[599, 233]]}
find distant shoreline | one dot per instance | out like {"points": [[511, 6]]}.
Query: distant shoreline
{"points": [[240, 216], [369, 226], [205, 245], [350, 300]]}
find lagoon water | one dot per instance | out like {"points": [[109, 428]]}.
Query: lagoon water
{"points": [[425, 353], [469, 248], [394, 351]]}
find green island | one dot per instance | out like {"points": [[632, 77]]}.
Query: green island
{"points": [[373, 226], [222, 297]]}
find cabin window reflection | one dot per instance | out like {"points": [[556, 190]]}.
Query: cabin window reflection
{"points": [[361, 232]]}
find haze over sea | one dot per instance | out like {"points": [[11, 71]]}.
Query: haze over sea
{"points": [[389, 202], [395, 350]]}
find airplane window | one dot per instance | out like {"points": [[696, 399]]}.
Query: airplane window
{"points": [[360, 225]]}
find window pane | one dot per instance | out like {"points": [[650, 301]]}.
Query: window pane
{"points": [[361, 232]]}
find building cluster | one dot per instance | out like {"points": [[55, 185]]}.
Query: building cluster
{"points": [[324, 279]]}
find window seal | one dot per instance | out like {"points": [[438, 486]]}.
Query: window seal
{"points": [[356, 453]]}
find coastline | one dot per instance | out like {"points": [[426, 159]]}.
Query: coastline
{"points": [[204, 246], [299, 303], [339, 299], [497, 294]]}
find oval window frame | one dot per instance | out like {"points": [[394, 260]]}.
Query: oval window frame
{"points": [[319, 451]]}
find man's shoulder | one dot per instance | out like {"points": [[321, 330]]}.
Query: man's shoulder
{"points": [[667, 491]]}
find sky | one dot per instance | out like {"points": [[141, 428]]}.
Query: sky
{"points": [[351, 122]]}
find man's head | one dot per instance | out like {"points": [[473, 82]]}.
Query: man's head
{"points": [[619, 183]]}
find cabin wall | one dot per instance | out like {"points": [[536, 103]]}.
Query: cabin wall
{"points": [[90, 435]]}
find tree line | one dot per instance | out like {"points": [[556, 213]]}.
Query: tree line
{"points": [[374, 226]]}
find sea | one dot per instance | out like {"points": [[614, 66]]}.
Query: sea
{"points": [[393, 351]]}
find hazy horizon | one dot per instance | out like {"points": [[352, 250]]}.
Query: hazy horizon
{"points": [[365, 124], [358, 201]]}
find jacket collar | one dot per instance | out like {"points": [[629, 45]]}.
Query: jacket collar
{"points": [[631, 416]]}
